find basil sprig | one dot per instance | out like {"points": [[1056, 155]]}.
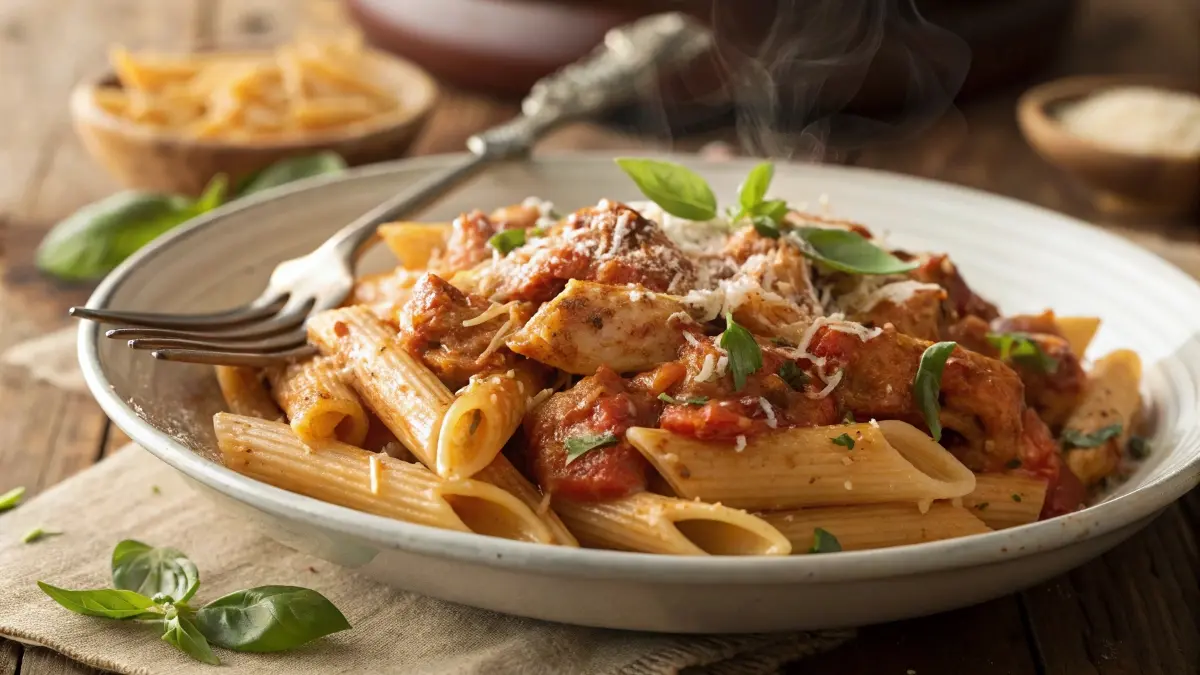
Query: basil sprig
{"points": [[1021, 348], [928, 385], [1074, 438], [745, 356], [578, 446], [847, 251], [154, 584], [95, 239], [675, 188], [505, 241], [754, 189]]}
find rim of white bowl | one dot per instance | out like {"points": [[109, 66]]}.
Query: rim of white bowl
{"points": [[1108, 516]]}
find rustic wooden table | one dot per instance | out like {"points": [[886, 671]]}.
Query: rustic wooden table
{"points": [[1135, 610]]}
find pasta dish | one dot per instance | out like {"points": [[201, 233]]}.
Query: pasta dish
{"points": [[672, 377]]}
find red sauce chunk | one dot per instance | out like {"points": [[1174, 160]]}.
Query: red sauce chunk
{"points": [[598, 405], [1040, 456]]}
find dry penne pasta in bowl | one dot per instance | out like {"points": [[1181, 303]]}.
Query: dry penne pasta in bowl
{"points": [[639, 409]]}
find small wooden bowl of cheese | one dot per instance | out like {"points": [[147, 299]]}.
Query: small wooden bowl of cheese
{"points": [[1135, 140], [170, 123]]}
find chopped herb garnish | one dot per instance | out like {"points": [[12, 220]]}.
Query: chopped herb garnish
{"points": [[689, 400], [1016, 497], [790, 373], [38, 533], [1013, 463], [675, 188], [765, 227], [578, 446], [847, 251], [11, 498], [848, 418], [927, 385], [754, 189], [824, 542], [1073, 438], [981, 506], [1139, 447], [844, 440], [507, 240], [476, 418], [775, 209], [745, 356], [1022, 349], [156, 490]]}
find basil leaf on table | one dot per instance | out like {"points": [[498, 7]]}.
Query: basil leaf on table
{"points": [[152, 571], [269, 619], [187, 638], [675, 188], [292, 169], [928, 385], [847, 251], [578, 446], [102, 602], [754, 189]]}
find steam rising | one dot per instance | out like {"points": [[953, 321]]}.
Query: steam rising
{"points": [[793, 86]]}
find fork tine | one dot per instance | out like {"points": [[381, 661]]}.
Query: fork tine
{"points": [[233, 358], [230, 318], [283, 322], [279, 343]]}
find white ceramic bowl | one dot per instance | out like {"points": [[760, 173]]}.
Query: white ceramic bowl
{"points": [[1023, 257]]}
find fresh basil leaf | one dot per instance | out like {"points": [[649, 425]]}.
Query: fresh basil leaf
{"points": [[690, 400], [824, 542], [292, 169], [505, 241], [844, 440], [775, 209], [95, 239], [790, 373], [1139, 447], [675, 188], [213, 195], [269, 619], [745, 356], [754, 189], [150, 571], [1022, 349], [928, 385], [38, 533], [10, 499], [104, 602], [187, 638], [1073, 438], [578, 446], [847, 251], [765, 227]]}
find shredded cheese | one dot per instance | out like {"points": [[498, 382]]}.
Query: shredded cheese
{"points": [[690, 339], [373, 461], [830, 385], [488, 314], [539, 398], [848, 485], [706, 369], [722, 364], [769, 412], [741, 443]]}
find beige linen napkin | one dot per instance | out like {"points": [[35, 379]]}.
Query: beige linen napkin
{"points": [[394, 631]]}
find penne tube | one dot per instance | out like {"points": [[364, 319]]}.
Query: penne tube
{"points": [[398, 388], [1078, 331], [415, 244], [890, 462], [244, 393], [867, 526], [650, 523], [504, 475], [1006, 499], [483, 416], [343, 474], [1110, 408], [318, 402]]}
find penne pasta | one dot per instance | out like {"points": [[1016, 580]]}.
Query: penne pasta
{"points": [[868, 526], [244, 393], [482, 418], [415, 244], [400, 390], [889, 462], [318, 403], [1078, 331], [504, 475], [343, 474], [1101, 425], [1006, 499], [650, 523]]}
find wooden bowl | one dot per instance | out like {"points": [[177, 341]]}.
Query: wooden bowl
{"points": [[1123, 183], [149, 158]]}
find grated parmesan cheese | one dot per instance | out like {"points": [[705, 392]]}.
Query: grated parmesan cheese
{"points": [[848, 485], [690, 339], [1140, 120], [539, 398], [830, 385], [373, 462], [706, 370], [769, 411], [722, 364], [741, 443]]}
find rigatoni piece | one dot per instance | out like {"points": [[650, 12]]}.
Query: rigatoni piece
{"points": [[650, 523], [482, 418], [1006, 499], [415, 244], [343, 474], [812, 466], [408, 398], [318, 402], [867, 526], [590, 325], [244, 393], [1105, 418]]}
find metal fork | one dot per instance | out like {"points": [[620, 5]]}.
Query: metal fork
{"points": [[270, 329]]}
